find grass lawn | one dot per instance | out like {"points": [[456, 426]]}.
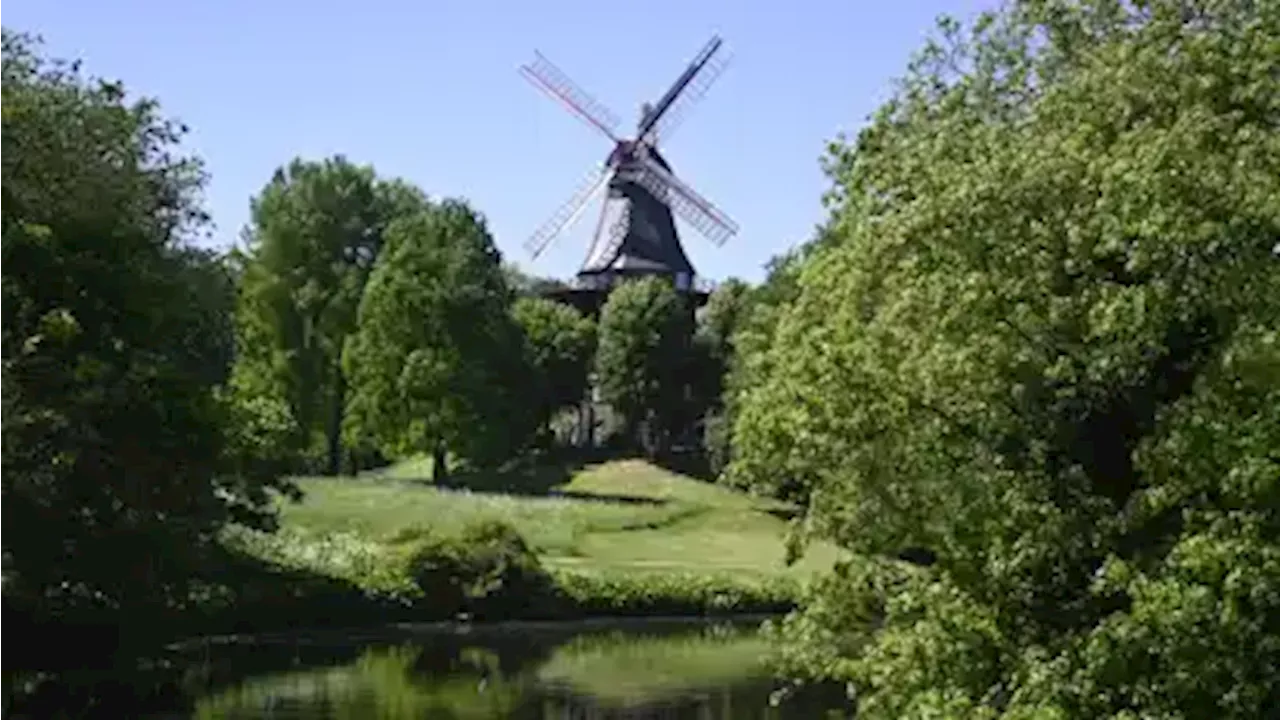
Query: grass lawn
{"points": [[621, 516]]}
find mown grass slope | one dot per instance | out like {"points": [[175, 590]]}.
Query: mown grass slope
{"points": [[625, 516]]}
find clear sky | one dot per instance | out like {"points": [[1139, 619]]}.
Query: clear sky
{"points": [[428, 91]]}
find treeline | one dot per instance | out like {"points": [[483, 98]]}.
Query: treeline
{"points": [[155, 391], [373, 324]]}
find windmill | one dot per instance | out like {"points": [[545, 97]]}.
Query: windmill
{"points": [[636, 234]]}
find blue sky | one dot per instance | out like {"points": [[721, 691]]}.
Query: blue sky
{"points": [[428, 91]]}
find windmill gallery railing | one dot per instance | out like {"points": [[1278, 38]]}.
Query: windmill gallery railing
{"points": [[605, 281]]}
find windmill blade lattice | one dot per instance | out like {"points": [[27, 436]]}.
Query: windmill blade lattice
{"points": [[552, 80], [687, 203], [693, 92], [569, 211], [617, 232]]}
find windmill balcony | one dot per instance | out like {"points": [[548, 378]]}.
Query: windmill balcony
{"points": [[604, 281]]}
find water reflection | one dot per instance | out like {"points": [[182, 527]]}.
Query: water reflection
{"points": [[644, 670]]}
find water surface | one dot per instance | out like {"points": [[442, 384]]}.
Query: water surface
{"points": [[650, 669]]}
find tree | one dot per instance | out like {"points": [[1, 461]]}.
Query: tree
{"points": [[560, 343], [115, 335], [1043, 347], [725, 310], [436, 365], [315, 234], [749, 363], [716, 323], [642, 355]]}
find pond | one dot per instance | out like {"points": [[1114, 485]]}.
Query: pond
{"points": [[649, 669]]}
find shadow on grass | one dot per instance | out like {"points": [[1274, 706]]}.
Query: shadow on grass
{"points": [[540, 474], [690, 463], [544, 473]]}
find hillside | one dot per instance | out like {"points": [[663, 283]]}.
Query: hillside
{"points": [[622, 516]]}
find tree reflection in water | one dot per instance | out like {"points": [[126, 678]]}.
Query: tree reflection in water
{"points": [[647, 670]]}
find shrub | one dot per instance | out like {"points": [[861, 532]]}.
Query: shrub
{"points": [[487, 570], [670, 593]]}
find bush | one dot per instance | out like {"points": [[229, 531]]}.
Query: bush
{"points": [[486, 571], [621, 593]]}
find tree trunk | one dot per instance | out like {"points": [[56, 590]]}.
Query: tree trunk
{"points": [[440, 462], [335, 423]]}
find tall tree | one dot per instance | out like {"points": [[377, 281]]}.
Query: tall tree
{"points": [[1044, 348], [560, 344], [717, 321], [315, 234], [114, 336], [436, 365], [748, 364], [715, 325], [642, 357]]}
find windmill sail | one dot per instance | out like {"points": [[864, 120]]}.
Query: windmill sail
{"points": [[687, 90], [568, 212], [636, 233], [553, 81]]}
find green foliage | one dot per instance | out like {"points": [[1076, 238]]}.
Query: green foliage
{"points": [[676, 593], [560, 343], [529, 286], [260, 431], [642, 355], [720, 318], [115, 333], [315, 234], [1042, 344], [755, 317], [712, 350], [486, 571], [436, 363]]}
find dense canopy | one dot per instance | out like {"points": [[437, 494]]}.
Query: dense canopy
{"points": [[1042, 347]]}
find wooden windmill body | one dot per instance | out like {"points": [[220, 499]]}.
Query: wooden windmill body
{"points": [[636, 234]]}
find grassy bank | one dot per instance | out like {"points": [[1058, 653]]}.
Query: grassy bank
{"points": [[617, 538]]}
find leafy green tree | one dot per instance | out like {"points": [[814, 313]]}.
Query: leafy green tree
{"points": [[1044, 347], [748, 362], [642, 356], [730, 341], [315, 234], [115, 333], [436, 364], [711, 357], [560, 344], [718, 320], [715, 325]]}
